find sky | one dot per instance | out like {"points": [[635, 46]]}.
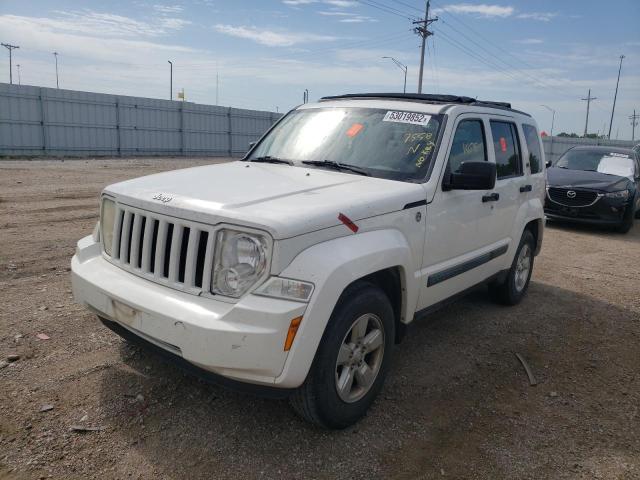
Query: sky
{"points": [[265, 53]]}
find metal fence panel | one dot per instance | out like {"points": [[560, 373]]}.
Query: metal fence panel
{"points": [[37, 121], [553, 149]]}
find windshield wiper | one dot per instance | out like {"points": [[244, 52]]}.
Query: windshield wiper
{"points": [[337, 166], [270, 159]]}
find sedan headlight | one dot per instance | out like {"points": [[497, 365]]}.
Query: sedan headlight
{"points": [[107, 219], [240, 261], [621, 194]]}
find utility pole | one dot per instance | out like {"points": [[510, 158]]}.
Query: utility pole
{"points": [[634, 123], [10, 48], [402, 67], [588, 100], [55, 54], [615, 96], [19, 79], [170, 79], [423, 31]]}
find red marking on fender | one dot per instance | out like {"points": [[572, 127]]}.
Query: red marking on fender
{"points": [[355, 129], [347, 221], [503, 144]]}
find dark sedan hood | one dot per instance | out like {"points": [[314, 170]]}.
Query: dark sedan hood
{"points": [[562, 177]]}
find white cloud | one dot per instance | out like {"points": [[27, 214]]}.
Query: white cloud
{"points": [[333, 3], [481, 9], [271, 38], [347, 17], [168, 8], [99, 24], [530, 41], [539, 16]]}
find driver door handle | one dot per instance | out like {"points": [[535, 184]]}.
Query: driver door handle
{"points": [[492, 197], [525, 188]]}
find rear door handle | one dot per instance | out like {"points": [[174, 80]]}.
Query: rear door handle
{"points": [[525, 188], [492, 197]]}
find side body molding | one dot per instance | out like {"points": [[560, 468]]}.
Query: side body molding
{"points": [[332, 266]]}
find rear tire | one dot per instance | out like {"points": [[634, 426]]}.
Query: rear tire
{"points": [[348, 372], [514, 287]]}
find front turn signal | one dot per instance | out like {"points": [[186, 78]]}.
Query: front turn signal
{"points": [[291, 334]]}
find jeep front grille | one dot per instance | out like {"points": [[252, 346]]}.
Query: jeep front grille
{"points": [[174, 252], [572, 197]]}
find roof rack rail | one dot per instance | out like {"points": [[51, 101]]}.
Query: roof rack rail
{"points": [[426, 98]]}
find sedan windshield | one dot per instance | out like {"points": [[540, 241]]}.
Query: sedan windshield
{"points": [[610, 163], [398, 145]]}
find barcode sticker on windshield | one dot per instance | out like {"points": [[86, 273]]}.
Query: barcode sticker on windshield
{"points": [[413, 118]]}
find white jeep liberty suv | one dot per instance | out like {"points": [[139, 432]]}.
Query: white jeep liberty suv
{"points": [[295, 270]]}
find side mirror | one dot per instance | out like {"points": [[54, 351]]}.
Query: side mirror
{"points": [[472, 176], [252, 144], [548, 163]]}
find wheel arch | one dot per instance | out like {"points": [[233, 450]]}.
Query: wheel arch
{"points": [[382, 257]]}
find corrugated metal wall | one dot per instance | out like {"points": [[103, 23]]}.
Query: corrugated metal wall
{"points": [[562, 144], [37, 121]]}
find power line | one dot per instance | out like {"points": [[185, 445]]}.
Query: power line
{"points": [[10, 48], [387, 9]]}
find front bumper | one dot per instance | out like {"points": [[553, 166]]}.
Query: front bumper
{"points": [[603, 212], [241, 341]]}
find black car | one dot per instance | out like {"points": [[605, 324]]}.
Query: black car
{"points": [[599, 185]]}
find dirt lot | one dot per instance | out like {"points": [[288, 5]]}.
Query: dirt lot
{"points": [[457, 403]]}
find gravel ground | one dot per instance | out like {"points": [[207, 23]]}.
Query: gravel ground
{"points": [[457, 403]]}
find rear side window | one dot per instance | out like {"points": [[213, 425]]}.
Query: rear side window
{"points": [[468, 144], [533, 145], [507, 148]]}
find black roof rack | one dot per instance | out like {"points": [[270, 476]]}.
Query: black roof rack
{"points": [[427, 98]]}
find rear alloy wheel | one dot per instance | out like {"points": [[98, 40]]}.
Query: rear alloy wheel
{"points": [[515, 285], [352, 359]]}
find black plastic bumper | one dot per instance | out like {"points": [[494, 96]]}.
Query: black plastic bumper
{"points": [[207, 376], [603, 212]]}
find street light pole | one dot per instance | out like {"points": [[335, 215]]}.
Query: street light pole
{"points": [[19, 79], [402, 67], [55, 54], [170, 79], [553, 119], [615, 96]]}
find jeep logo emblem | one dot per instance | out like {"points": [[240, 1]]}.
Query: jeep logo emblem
{"points": [[163, 198], [571, 194]]}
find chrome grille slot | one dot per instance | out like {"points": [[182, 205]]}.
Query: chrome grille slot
{"points": [[572, 197], [170, 251]]}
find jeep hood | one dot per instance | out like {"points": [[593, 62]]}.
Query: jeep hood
{"points": [[284, 200]]}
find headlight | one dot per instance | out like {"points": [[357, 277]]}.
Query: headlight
{"points": [[107, 219], [240, 261], [286, 288], [621, 194]]}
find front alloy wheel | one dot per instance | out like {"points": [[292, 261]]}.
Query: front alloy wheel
{"points": [[352, 359], [359, 358]]}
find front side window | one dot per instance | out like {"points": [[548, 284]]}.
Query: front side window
{"points": [[533, 145], [468, 144], [507, 149], [610, 163], [397, 145]]}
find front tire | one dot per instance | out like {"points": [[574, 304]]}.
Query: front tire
{"points": [[514, 287], [352, 360]]}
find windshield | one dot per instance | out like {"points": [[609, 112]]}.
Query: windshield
{"points": [[398, 145], [611, 163]]}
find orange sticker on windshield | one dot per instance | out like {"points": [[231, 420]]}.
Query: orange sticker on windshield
{"points": [[355, 129], [503, 144]]}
